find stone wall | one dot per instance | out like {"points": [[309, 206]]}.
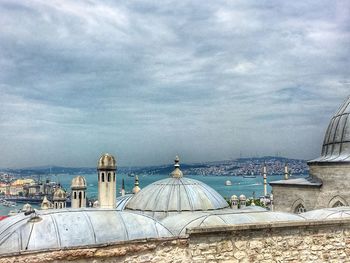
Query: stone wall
{"points": [[335, 178], [304, 241]]}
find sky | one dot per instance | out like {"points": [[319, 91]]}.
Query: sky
{"points": [[146, 80]]}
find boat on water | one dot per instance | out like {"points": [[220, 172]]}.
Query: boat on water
{"points": [[13, 212], [228, 183], [252, 175], [8, 203]]}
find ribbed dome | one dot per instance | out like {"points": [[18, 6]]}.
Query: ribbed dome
{"points": [[69, 228], [78, 182], [59, 194], [177, 195], [106, 161], [336, 144]]}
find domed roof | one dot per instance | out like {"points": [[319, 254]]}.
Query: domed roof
{"points": [[327, 213], [59, 194], [68, 228], [78, 182], [107, 161], [27, 208], [178, 224], [176, 194], [336, 143]]}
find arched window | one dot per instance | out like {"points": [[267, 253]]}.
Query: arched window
{"points": [[114, 177], [80, 196], [109, 177], [300, 209], [75, 195], [338, 204], [84, 194], [103, 177]]}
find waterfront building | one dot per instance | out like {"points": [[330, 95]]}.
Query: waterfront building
{"points": [[78, 193], [107, 188], [327, 184]]}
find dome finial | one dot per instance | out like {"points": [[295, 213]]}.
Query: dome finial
{"points": [[136, 188], [177, 172]]}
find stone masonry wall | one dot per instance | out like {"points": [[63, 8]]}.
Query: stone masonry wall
{"points": [[310, 241]]}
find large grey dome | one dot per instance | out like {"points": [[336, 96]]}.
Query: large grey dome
{"points": [[176, 195], [58, 229], [336, 144]]}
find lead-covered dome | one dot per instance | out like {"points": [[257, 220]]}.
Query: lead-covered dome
{"points": [[336, 143], [66, 228], [78, 182], [59, 195], [106, 161], [176, 194]]}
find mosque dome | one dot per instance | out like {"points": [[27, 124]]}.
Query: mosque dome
{"points": [[242, 198], [106, 161], [78, 182], [336, 143], [176, 194], [66, 228], [59, 194]]}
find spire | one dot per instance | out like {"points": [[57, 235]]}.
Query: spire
{"points": [[265, 181], [285, 171], [177, 172], [123, 188]]}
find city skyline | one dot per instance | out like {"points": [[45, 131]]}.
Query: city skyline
{"points": [[147, 81]]}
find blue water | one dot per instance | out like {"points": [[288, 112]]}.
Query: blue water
{"points": [[239, 186]]}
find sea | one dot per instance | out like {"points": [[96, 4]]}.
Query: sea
{"points": [[248, 186]]}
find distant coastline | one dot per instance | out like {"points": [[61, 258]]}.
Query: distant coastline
{"points": [[235, 167]]}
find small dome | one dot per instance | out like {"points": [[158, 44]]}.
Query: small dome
{"points": [[96, 204], [106, 161], [78, 182], [27, 208], [234, 197], [242, 198], [59, 195], [336, 143]]}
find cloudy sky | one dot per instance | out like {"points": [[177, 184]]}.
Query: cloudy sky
{"points": [[208, 80]]}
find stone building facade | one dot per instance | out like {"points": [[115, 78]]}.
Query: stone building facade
{"points": [[327, 184]]}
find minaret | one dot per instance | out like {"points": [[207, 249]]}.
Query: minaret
{"points": [[78, 195], [107, 187], [123, 188], [136, 188], [285, 171], [265, 181], [234, 202]]}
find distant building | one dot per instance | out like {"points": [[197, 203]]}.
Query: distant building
{"points": [[328, 182]]}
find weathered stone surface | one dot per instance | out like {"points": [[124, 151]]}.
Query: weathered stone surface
{"points": [[306, 243]]}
